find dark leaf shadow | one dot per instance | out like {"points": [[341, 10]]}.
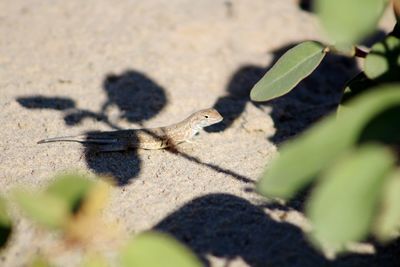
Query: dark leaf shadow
{"points": [[312, 98], [44, 102], [137, 97], [228, 226]]}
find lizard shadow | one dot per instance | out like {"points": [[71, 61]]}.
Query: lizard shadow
{"points": [[122, 166], [136, 98], [312, 98], [227, 226]]}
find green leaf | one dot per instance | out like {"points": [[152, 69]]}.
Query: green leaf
{"points": [[154, 249], [5, 224], [388, 223], [383, 61], [302, 159], [348, 22], [44, 208], [342, 207], [70, 188], [296, 64]]}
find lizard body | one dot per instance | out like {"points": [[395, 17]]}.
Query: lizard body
{"points": [[151, 138]]}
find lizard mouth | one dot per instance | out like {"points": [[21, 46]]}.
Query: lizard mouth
{"points": [[219, 119]]}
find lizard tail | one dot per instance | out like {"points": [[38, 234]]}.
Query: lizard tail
{"points": [[77, 138], [98, 141]]}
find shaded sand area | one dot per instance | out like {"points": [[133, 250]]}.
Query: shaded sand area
{"points": [[68, 67]]}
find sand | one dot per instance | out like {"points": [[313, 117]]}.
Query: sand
{"points": [[68, 67]]}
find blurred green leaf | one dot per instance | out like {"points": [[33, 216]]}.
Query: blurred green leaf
{"points": [[383, 61], [40, 261], [384, 127], [348, 22], [71, 188], [296, 64], [94, 260], [301, 159], [44, 208], [342, 206], [5, 224], [388, 223], [153, 249]]}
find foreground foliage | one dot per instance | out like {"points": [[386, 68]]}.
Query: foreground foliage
{"points": [[351, 156], [72, 207]]}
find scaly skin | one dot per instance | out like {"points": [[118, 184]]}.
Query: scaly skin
{"points": [[152, 138]]}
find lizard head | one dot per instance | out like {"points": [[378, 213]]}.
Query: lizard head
{"points": [[206, 117]]}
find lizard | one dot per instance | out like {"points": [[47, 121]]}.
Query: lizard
{"points": [[145, 138]]}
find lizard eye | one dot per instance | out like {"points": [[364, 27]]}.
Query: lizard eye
{"points": [[206, 116]]}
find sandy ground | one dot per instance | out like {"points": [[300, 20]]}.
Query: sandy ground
{"points": [[68, 67]]}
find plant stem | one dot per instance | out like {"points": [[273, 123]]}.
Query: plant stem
{"points": [[360, 53]]}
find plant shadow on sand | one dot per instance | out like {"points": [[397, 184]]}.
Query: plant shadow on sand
{"points": [[312, 98], [221, 224], [228, 226], [137, 98]]}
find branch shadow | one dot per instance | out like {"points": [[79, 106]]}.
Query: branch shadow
{"points": [[211, 166], [312, 98], [137, 99], [228, 226]]}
